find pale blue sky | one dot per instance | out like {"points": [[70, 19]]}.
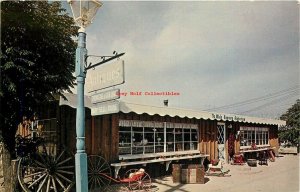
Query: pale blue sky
{"points": [[212, 53]]}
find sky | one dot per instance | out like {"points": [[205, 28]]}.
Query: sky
{"points": [[234, 57]]}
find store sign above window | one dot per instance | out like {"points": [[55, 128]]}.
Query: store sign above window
{"points": [[155, 124], [227, 117]]}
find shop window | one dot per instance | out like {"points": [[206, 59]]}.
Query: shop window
{"points": [[140, 137], [257, 135], [125, 140]]}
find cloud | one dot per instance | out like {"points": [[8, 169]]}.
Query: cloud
{"points": [[213, 53]]}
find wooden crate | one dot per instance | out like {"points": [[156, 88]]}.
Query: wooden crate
{"points": [[192, 174], [176, 169]]}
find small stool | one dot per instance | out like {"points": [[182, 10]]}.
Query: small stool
{"points": [[263, 158]]}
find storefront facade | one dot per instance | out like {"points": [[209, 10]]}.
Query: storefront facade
{"points": [[140, 130], [148, 134]]}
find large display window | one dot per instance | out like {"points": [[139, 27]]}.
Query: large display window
{"points": [[142, 137], [254, 135]]}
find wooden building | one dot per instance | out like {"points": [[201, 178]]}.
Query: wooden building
{"points": [[139, 133]]}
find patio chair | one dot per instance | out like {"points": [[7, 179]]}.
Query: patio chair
{"points": [[217, 170]]}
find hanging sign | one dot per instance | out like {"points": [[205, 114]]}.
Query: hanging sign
{"points": [[105, 76], [107, 107], [99, 97]]}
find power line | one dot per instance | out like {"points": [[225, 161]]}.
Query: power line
{"points": [[290, 90], [276, 101]]}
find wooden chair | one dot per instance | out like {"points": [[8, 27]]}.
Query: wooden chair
{"points": [[217, 170]]}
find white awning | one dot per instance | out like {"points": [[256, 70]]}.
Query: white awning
{"points": [[71, 100], [172, 112]]}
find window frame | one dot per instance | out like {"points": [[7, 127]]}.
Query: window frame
{"points": [[178, 132], [258, 135]]}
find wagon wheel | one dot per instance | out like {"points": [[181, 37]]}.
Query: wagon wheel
{"points": [[44, 172], [141, 184], [99, 172]]}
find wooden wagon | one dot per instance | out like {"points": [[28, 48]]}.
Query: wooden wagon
{"points": [[45, 164]]}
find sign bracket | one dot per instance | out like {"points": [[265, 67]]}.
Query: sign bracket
{"points": [[104, 60]]}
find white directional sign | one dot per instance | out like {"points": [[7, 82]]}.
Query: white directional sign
{"points": [[99, 97], [103, 108], [104, 76]]}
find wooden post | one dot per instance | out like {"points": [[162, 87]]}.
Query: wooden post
{"points": [[93, 135], [9, 171]]}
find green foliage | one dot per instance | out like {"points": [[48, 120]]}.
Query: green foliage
{"points": [[291, 131], [37, 58]]}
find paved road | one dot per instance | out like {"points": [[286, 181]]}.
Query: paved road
{"points": [[279, 176]]}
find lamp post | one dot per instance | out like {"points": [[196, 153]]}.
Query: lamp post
{"points": [[83, 13]]}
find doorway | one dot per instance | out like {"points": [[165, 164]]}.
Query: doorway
{"points": [[221, 140]]}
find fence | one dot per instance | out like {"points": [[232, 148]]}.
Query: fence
{"points": [[44, 128], [47, 129]]}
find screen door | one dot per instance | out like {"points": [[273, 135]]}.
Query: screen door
{"points": [[221, 140]]}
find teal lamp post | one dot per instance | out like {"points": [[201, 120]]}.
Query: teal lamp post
{"points": [[83, 12]]}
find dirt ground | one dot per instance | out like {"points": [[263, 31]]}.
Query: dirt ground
{"points": [[279, 176]]}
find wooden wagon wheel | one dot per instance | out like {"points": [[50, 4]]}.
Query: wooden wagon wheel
{"points": [[143, 183], [98, 172], [46, 173]]}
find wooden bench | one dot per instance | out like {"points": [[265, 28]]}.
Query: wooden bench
{"points": [[167, 158]]}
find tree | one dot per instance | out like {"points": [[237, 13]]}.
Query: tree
{"points": [[37, 61], [291, 131]]}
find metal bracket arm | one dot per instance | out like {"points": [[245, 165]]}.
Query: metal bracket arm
{"points": [[104, 61]]}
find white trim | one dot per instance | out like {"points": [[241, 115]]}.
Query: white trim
{"points": [[191, 129], [248, 147]]}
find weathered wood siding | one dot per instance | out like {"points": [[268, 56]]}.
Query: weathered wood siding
{"points": [[208, 138], [273, 137], [103, 136], [102, 132]]}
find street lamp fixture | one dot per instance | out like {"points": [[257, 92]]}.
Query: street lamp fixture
{"points": [[83, 12]]}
